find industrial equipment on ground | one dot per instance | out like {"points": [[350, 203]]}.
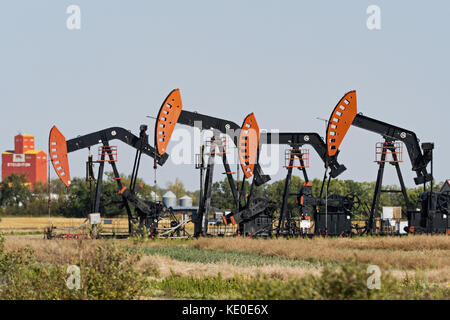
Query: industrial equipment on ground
{"points": [[331, 214], [433, 215]]}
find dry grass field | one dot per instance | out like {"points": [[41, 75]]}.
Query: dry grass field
{"points": [[426, 258], [38, 224]]}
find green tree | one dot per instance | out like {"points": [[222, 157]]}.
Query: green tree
{"points": [[177, 188], [221, 196], [78, 202], [14, 191]]}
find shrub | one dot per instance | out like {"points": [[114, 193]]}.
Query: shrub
{"points": [[108, 274], [348, 281]]}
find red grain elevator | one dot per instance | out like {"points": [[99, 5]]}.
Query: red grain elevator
{"points": [[25, 160]]}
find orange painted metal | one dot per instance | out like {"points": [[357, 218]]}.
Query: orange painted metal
{"points": [[340, 121], [108, 153], [167, 119], [217, 142], [233, 222], [295, 155], [58, 155], [248, 145], [392, 152]]}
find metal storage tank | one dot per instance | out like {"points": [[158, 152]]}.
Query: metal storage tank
{"points": [[169, 199], [154, 196], [186, 201]]}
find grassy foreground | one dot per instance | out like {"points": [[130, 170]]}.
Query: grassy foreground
{"points": [[236, 268]]}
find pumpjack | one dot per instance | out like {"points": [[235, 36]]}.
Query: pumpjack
{"points": [[255, 216], [252, 215], [332, 214], [433, 215], [243, 203], [146, 213], [307, 203]]}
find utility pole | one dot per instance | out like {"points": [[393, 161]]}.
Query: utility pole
{"points": [[48, 187], [324, 120]]}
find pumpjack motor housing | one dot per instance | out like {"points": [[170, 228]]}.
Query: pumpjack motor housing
{"points": [[433, 216]]}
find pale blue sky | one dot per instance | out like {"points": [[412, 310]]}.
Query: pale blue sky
{"points": [[287, 61]]}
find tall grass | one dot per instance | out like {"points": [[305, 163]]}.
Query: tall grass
{"points": [[234, 257], [415, 252], [108, 271], [348, 281], [107, 274], [193, 288]]}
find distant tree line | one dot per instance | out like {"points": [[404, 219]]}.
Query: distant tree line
{"points": [[222, 197], [16, 199]]}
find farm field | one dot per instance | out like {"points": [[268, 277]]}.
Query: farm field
{"points": [[412, 267], [24, 225], [37, 225]]}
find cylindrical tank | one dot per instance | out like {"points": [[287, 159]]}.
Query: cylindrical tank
{"points": [[154, 196], [186, 201], [169, 199]]}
